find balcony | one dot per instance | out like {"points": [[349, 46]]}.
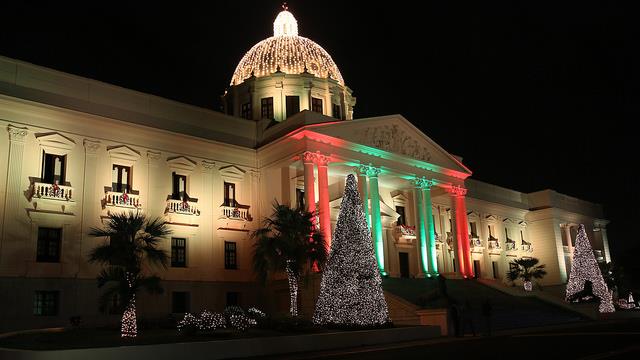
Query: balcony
{"points": [[238, 212], [493, 243], [123, 200], [475, 241], [406, 230], [52, 191], [510, 245], [526, 246], [183, 207]]}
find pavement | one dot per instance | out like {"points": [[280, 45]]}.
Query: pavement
{"points": [[613, 339]]}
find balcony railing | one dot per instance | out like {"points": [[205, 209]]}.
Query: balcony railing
{"points": [[526, 246], [406, 230], [52, 191], [449, 239], [240, 212], [493, 243], [475, 241], [125, 200], [182, 207], [510, 245]]}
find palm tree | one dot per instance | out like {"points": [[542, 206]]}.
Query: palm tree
{"points": [[133, 239], [288, 241], [526, 269]]}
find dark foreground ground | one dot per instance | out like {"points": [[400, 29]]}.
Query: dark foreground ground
{"points": [[603, 340]]}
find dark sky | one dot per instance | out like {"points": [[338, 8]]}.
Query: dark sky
{"points": [[532, 95]]}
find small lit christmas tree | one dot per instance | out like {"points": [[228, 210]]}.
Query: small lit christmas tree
{"points": [[351, 288], [584, 267]]}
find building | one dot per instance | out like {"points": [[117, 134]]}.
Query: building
{"points": [[76, 150]]}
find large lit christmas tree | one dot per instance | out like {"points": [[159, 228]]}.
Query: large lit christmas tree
{"points": [[584, 267], [351, 288]]}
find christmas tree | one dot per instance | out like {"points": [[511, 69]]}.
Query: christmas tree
{"points": [[584, 267], [351, 288]]}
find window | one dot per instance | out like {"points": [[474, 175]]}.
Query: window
{"points": [[300, 198], [474, 229], [521, 236], [121, 179], [490, 233], [336, 111], [179, 302], [53, 168], [246, 111], [48, 244], [293, 105], [233, 298], [230, 256], [401, 218], [45, 303], [316, 105], [178, 252], [506, 233], [229, 194], [179, 187], [267, 108]]}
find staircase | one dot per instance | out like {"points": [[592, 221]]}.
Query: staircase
{"points": [[508, 311]]}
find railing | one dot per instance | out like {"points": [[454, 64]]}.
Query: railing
{"points": [[510, 245], [494, 244], [240, 212], [475, 241], [182, 207], [449, 239], [52, 191], [126, 200], [406, 230], [527, 247]]}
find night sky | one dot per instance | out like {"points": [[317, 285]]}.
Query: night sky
{"points": [[532, 96]]}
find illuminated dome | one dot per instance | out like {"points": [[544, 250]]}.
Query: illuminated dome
{"points": [[287, 52]]}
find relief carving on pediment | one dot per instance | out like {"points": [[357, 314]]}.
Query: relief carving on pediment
{"points": [[393, 139]]}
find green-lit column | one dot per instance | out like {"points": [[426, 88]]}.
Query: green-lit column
{"points": [[420, 221], [364, 192], [376, 222], [432, 255]]}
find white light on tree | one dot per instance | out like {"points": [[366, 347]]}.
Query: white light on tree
{"points": [[286, 52], [129, 325], [584, 267], [351, 288]]}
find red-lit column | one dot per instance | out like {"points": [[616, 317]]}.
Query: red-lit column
{"points": [[464, 249], [324, 211], [308, 159]]}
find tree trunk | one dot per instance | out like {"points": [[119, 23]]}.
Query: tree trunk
{"points": [[293, 289]]}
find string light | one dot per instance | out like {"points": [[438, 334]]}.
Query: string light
{"points": [[584, 267], [286, 52], [129, 326], [351, 287]]}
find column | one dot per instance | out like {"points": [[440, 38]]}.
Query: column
{"points": [[432, 254], [605, 244], [446, 259], [376, 221], [324, 212], [89, 198], [309, 181], [455, 233], [567, 236], [462, 235], [153, 207], [209, 213], [363, 189], [420, 222], [13, 194]]}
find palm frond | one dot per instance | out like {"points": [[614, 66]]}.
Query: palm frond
{"points": [[151, 284]]}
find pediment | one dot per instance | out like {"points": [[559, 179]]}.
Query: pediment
{"points": [[181, 163], [55, 143], [491, 217], [124, 154], [232, 172], [393, 134]]}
